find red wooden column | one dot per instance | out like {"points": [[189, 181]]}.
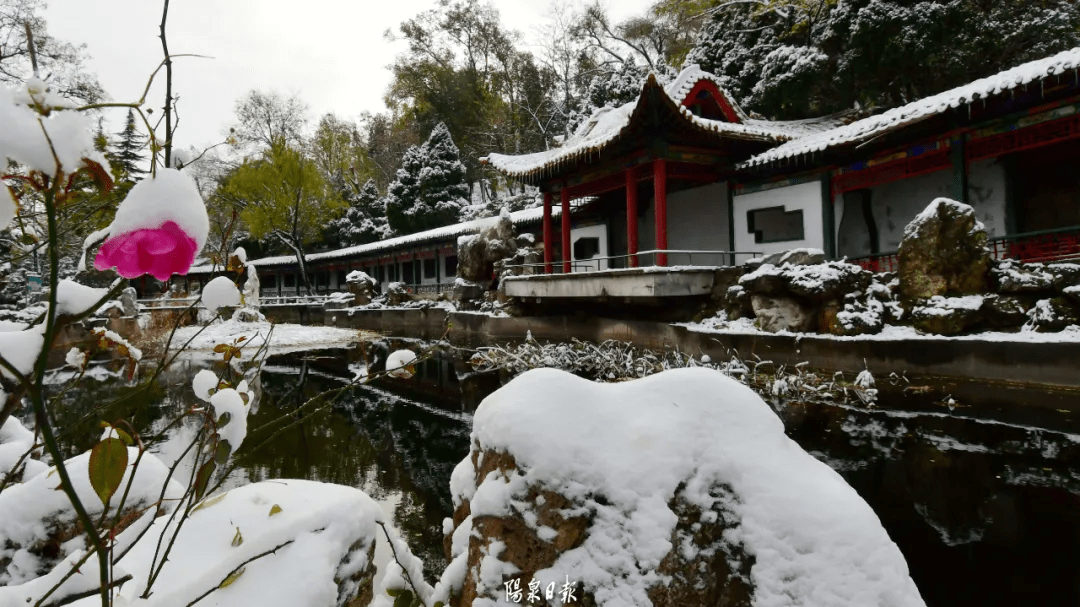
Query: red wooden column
{"points": [[565, 229], [548, 244], [631, 217], [660, 194]]}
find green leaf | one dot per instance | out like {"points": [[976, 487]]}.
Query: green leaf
{"points": [[208, 502], [405, 599], [237, 539], [124, 436], [393, 592], [222, 454], [275, 509], [224, 419], [232, 577], [202, 478], [108, 461]]}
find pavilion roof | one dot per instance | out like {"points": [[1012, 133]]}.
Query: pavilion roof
{"points": [[610, 126]]}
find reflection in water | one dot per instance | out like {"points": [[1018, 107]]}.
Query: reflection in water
{"points": [[987, 511], [398, 451]]}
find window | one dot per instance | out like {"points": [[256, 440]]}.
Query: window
{"points": [[451, 266], [431, 268], [586, 248], [774, 224], [407, 273], [341, 278], [290, 280]]}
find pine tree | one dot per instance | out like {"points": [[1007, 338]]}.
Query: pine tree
{"points": [[430, 188], [792, 59], [126, 157], [364, 221]]}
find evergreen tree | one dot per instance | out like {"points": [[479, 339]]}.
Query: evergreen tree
{"points": [[792, 59], [430, 188], [126, 157], [365, 219]]}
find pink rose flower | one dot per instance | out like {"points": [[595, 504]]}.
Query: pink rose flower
{"points": [[160, 252]]}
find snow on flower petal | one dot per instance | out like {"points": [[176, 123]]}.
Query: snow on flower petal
{"points": [[158, 229], [203, 382], [220, 293], [398, 362]]}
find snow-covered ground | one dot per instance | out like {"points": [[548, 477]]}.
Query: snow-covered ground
{"points": [[888, 333], [283, 338]]}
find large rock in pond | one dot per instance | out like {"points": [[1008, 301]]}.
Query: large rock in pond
{"points": [[674, 490], [776, 314], [477, 254], [943, 252]]}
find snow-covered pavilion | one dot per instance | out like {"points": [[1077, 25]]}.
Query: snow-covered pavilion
{"points": [[723, 182]]}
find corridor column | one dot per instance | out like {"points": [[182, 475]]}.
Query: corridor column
{"points": [[565, 229], [631, 217], [660, 194], [547, 233]]}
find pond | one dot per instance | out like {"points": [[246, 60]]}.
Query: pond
{"points": [[986, 509]]}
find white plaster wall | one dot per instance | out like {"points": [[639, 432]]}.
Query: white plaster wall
{"points": [[986, 194], [805, 196], [596, 231], [896, 203], [698, 221]]}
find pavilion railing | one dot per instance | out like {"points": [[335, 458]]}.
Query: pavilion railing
{"points": [[1060, 245], [676, 257]]}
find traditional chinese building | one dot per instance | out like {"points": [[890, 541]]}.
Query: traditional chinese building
{"points": [[683, 173]]}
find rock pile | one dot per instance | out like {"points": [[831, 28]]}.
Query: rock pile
{"points": [[947, 283]]}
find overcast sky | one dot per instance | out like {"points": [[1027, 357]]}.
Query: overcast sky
{"points": [[332, 53]]}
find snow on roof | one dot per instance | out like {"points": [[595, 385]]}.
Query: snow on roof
{"points": [[923, 108], [687, 79], [607, 124], [444, 233]]}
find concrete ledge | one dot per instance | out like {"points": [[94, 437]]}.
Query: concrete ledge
{"points": [[1024, 363], [635, 282]]}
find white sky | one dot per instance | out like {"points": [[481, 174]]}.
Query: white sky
{"points": [[331, 53]]}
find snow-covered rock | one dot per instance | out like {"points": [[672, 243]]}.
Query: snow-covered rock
{"points": [[37, 521], [677, 489], [943, 252]]}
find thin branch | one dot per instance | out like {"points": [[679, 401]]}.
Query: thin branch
{"points": [[238, 568]]}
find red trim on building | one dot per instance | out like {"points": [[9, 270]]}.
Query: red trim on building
{"points": [[903, 168], [1024, 138], [715, 98]]}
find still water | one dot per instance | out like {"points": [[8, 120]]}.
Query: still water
{"points": [[986, 508]]}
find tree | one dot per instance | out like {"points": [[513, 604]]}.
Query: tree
{"points": [[284, 197], [365, 219], [792, 59], [59, 63], [125, 157], [430, 188], [266, 118]]}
